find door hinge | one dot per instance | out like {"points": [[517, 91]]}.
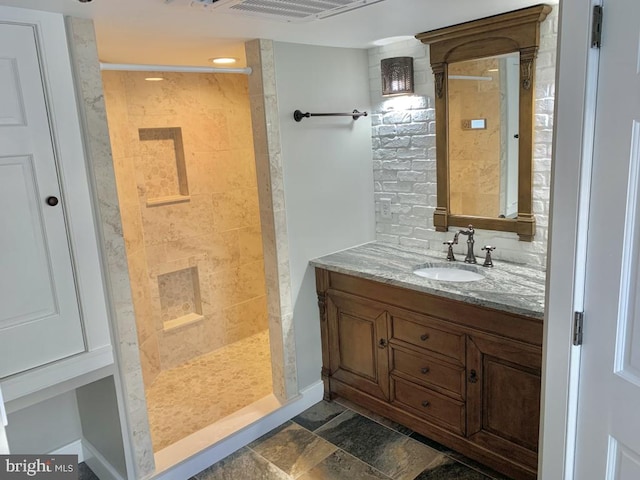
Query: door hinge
{"points": [[596, 27], [578, 323]]}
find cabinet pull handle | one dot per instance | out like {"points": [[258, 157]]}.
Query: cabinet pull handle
{"points": [[426, 403], [473, 376], [382, 343], [424, 337], [424, 370], [52, 201]]}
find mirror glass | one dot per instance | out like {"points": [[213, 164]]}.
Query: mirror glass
{"points": [[483, 97]]}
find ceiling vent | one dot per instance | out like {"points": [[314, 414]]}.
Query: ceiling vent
{"points": [[284, 10]]}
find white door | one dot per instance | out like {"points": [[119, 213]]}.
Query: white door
{"points": [[608, 444], [39, 313]]}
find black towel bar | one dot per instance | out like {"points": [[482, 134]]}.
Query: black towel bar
{"points": [[298, 115]]}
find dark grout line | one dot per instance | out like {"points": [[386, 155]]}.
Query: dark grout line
{"points": [[362, 461], [333, 419], [268, 461]]}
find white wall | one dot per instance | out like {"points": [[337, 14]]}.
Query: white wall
{"points": [[45, 426], [328, 173]]}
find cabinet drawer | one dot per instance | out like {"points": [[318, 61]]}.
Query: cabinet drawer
{"points": [[428, 370], [430, 405], [427, 336]]}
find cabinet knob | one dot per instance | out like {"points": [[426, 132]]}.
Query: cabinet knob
{"points": [[52, 201], [382, 343], [426, 403], [424, 337], [473, 376], [424, 370]]}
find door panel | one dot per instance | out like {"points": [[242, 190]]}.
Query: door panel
{"points": [[358, 343], [11, 101], [361, 361], [627, 348], [40, 317], [503, 397], [511, 392], [28, 292], [608, 442]]}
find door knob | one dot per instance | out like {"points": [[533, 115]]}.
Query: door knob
{"points": [[52, 201]]}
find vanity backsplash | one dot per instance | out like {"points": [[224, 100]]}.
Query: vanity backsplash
{"points": [[404, 156]]}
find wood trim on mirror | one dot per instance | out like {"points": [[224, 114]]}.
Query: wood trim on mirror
{"points": [[517, 31]]}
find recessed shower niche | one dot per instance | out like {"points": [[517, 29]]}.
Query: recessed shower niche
{"points": [[163, 165], [180, 301]]}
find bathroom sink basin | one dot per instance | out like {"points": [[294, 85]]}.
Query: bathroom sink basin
{"points": [[449, 273]]}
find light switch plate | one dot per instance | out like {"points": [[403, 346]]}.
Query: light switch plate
{"points": [[385, 208]]}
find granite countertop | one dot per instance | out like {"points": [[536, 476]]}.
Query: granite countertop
{"points": [[510, 287]]}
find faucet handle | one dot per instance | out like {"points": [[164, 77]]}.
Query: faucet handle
{"points": [[487, 259], [450, 256]]}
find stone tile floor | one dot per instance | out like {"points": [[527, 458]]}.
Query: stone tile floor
{"points": [[342, 441], [85, 473], [200, 392]]}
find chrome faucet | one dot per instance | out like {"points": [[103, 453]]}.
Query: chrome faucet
{"points": [[470, 258]]}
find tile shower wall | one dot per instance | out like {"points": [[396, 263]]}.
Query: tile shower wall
{"points": [[404, 155], [185, 170]]}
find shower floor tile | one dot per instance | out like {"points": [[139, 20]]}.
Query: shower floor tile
{"points": [[192, 396]]}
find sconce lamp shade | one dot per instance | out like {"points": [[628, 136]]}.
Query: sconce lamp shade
{"points": [[397, 76]]}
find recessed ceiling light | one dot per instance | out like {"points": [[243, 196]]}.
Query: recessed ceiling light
{"points": [[223, 60], [154, 79]]}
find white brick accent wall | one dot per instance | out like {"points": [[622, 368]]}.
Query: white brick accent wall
{"points": [[404, 166]]}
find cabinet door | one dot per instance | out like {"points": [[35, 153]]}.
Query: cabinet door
{"points": [[358, 344], [39, 313], [503, 397]]}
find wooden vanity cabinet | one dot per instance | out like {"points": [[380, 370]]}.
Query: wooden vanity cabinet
{"points": [[464, 375]]}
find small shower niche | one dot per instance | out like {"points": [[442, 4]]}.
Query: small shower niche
{"points": [[180, 300], [163, 166], [181, 311]]}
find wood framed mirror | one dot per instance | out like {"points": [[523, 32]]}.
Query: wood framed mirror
{"points": [[484, 96]]}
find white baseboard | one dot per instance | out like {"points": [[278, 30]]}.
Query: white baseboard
{"points": [[210, 455], [98, 464], [73, 448]]}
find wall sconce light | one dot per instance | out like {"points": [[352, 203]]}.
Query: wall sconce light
{"points": [[397, 76]]}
